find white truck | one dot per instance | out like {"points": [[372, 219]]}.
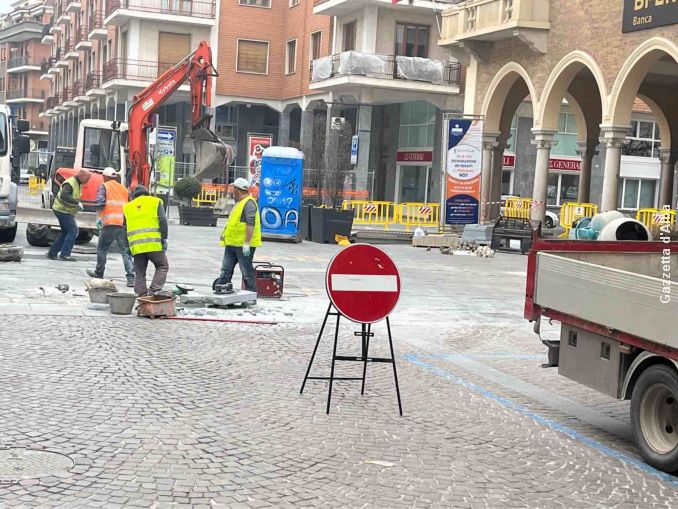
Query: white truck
{"points": [[617, 303], [12, 145]]}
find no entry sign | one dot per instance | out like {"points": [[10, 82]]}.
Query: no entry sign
{"points": [[363, 283]]}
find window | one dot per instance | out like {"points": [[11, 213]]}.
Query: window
{"points": [[566, 136], [417, 125], [256, 3], [3, 134], [507, 183], [637, 194], [411, 40], [294, 3], [252, 57], [644, 140], [349, 36], [562, 188], [291, 60], [102, 149], [316, 42]]}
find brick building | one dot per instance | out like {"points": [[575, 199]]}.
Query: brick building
{"points": [[612, 67]]}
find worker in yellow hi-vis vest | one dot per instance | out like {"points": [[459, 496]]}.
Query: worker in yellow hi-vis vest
{"points": [[241, 236]]}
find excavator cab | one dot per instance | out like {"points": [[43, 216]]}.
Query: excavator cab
{"points": [[212, 156]]}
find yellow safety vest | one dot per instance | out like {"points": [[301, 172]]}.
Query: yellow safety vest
{"points": [[67, 208], [143, 225], [235, 231]]}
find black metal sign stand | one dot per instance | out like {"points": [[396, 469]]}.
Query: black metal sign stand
{"points": [[365, 334]]}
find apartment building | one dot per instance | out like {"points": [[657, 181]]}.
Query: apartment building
{"points": [[21, 57]]}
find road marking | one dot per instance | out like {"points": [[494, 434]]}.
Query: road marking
{"points": [[544, 421], [364, 283]]}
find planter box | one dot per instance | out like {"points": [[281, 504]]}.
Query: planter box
{"points": [[197, 216], [326, 223], [305, 223]]}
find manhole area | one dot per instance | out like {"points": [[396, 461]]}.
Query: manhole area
{"points": [[18, 464]]}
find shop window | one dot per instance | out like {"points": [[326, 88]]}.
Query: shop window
{"points": [[417, 125], [562, 188], [252, 57], [507, 183], [411, 40], [349, 36], [291, 60], [644, 140], [637, 194]]}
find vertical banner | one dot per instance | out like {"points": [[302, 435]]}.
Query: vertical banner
{"points": [[354, 150], [165, 150], [463, 168], [256, 144]]}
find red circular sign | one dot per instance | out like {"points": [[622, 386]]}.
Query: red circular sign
{"points": [[363, 283]]}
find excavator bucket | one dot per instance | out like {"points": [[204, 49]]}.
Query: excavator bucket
{"points": [[212, 156]]}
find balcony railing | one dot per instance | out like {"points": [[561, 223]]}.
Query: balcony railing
{"points": [[192, 8], [96, 20], [58, 53], [353, 63], [66, 95], [141, 70], [52, 102], [93, 81], [80, 36], [22, 93], [22, 61], [47, 64], [45, 30], [78, 88]]}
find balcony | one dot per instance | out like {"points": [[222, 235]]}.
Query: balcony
{"points": [[46, 69], [341, 7], [97, 30], [55, 29], [79, 92], [70, 53], [351, 68], [25, 95], [21, 32], [73, 6], [51, 102], [192, 12], [22, 64], [62, 17], [47, 35], [133, 70], [67, 98], [93, 85], [474, 24], [81, 38]]}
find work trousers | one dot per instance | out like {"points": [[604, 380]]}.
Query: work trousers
{"points": [[69, 233], [108, 235], [159, 260], [233, 255]]}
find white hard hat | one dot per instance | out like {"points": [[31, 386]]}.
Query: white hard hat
{"points": [[110, 172], [242, 184]]}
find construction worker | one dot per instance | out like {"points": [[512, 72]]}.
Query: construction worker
{"points": [[241, 236], [146, 225], [111, 198], [66, 205]]}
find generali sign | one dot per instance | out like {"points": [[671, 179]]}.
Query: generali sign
{"points": [[414, 156], [644, 14], [509, 162]]}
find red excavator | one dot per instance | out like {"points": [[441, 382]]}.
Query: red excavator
{"points": [[124, 146]]}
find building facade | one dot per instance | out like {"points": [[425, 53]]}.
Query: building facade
{"points": [[619, 88]]}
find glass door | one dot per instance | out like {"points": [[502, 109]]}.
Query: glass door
{"points": [[414, 184]]}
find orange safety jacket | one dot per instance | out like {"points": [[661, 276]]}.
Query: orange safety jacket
{"points": [[117, 197]]}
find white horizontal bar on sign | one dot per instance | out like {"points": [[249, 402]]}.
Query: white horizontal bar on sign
{"points": [[363, 283]]}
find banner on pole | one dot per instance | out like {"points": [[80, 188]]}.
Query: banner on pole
{"points": [[463, 169], [165, 150], [256, 143]]}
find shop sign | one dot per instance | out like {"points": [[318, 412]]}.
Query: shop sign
{"points": [[414, 156], [644, 14], [509, 161], [565, 164], [462, 172]]}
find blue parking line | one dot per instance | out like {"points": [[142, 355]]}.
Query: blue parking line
{"points": [[495, 356], [544, 421]]}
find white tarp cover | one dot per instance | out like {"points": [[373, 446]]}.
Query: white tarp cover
{"points": [[420, 69], [322, 68], [363, 64]]}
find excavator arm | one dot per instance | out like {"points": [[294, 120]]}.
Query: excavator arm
{"points": [[212, 155]]}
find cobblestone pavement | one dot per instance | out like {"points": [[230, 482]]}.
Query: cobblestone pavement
{"points": [[210, 414]]}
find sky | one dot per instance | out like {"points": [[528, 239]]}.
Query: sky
{"points": [[5, 6]]}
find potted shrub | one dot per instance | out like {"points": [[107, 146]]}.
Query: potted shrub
{"points": [[185, 190]]}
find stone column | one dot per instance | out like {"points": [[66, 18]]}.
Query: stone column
{"points": [[668, 160], [613, 138], [364, 138], [489, 144], [497, 174], [306, 133], [587, 151], [543, 140], [284, 128]]}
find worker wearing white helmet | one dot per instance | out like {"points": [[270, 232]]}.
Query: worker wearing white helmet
{"points": [[241, 236], [111, 198]]}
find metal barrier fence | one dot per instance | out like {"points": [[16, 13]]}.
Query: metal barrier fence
{"points": [[571, 212], [419, 214], [654, 219], [519, 208], [387, 213]]}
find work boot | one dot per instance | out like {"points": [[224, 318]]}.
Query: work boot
{"points": [[51, 256], [130, 282], [68, 259], [93, 273]]}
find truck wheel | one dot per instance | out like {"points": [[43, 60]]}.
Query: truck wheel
{"points": [[8, 234], [548, 222], [654, 417], [84, 237], [37, 235]]}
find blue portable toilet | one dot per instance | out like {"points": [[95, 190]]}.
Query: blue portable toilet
{"points": [[280, 190]]}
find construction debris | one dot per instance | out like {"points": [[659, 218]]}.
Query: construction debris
{"points": [[11, 253]]}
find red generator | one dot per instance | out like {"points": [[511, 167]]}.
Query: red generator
{"points": [[269, 279]]}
